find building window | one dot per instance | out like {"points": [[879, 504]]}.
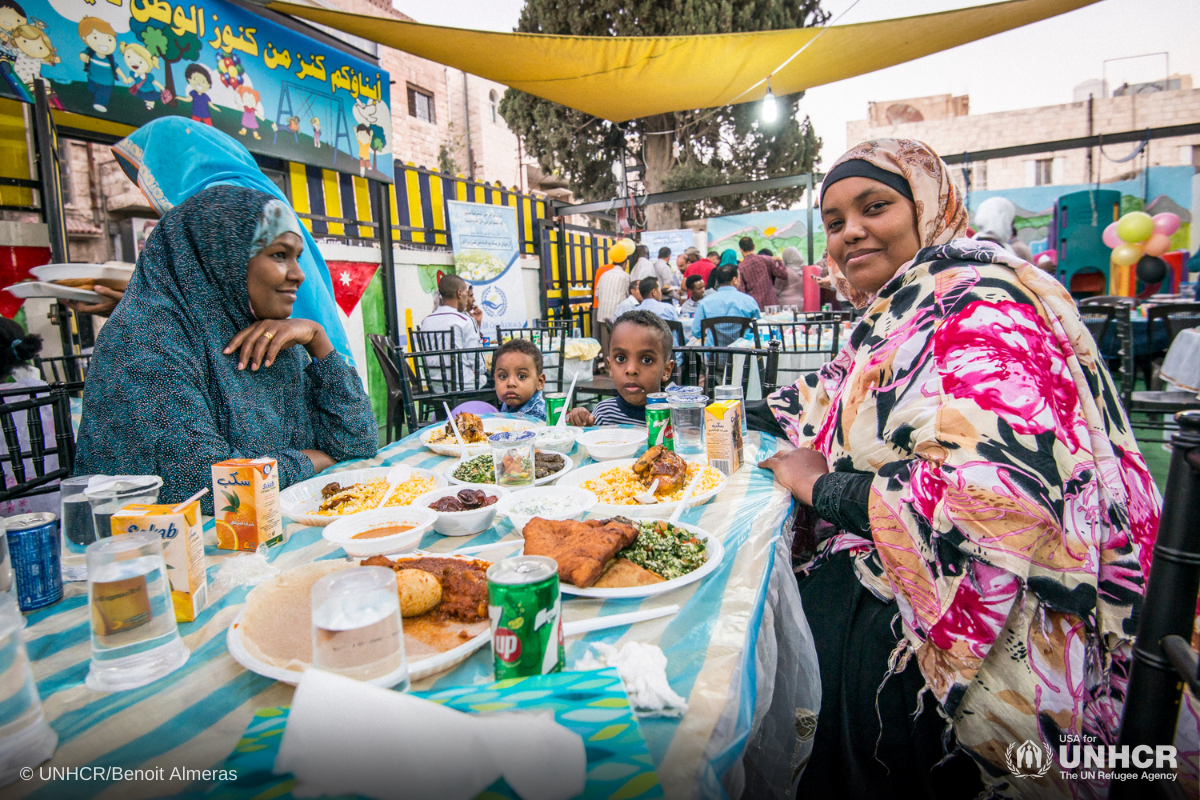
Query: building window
{"points": [[1043, 172], [971, 177], [420, 104], [494, 106]]}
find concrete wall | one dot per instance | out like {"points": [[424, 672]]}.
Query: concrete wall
{"points": [[493, 146]]}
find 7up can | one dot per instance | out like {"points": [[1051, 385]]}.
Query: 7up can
{"points": [[658, 421], [525, 610]]}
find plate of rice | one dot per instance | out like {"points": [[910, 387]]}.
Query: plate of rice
{"points": [[321, 500], [614, 483]]}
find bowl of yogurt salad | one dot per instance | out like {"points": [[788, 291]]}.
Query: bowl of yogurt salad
{"points": [[559, 439], [547, 502]]}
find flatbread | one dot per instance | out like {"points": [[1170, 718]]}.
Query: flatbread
{"points": [[623, 574], [277, 622]]}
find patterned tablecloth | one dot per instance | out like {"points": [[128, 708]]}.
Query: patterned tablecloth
{"points": [[739, 650]]}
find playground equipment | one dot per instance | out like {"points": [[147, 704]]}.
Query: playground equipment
{"points": [[322, 105], [1079, 218]]}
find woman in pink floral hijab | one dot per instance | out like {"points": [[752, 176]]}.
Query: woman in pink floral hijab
{"points": [[990, 519]]}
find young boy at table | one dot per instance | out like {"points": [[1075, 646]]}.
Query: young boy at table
{"points": [[640, 361], [517, 370]]}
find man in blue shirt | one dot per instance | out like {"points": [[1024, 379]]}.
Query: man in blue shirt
{"points": [[652, 300], [727, 301]]}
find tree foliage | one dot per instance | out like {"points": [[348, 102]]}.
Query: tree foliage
{"points": [[682, 149], [161, 40]]}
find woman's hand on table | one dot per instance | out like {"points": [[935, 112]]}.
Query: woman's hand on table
{"points": [[797, 471], [580, 418], [320, 460], [259, 344]]}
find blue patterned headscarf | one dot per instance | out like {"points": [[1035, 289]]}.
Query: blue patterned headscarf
{"points": [[162, 397], [173, 158]]}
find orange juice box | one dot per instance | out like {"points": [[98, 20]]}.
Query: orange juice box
{"points": [[723, 432], [183, 549], [246, 503]]}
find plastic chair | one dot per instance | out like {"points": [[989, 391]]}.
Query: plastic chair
{"points": [[31, 401], [726, 330], [474, 407], [384, 349]]}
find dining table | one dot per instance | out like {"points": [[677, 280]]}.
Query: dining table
{"points": [[739, 650]]}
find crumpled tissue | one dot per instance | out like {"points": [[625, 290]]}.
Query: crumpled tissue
{"points": [[643, 670], [347, 737], [248, 569], [120, 483]]}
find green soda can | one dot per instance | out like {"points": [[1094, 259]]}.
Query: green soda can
{"points": [[658, 421], [556, 406], [525, 609]]}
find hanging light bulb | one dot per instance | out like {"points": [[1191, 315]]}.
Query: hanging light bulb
{"points": [[770, 109]]}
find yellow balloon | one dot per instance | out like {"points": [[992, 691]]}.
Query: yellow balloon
{"points": [[1134, 227], [617, 253], [630, 245], [1126, 255]]}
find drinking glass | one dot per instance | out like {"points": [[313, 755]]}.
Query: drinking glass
{"points": [[134, 637], [356, 625], [106, 502], [78, 529], [25, 738], [6, 571], [687, 423]]}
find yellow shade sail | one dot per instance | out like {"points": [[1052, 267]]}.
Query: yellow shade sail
{"points": [[625, 77]]}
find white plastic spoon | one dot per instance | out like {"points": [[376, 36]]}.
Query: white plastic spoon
{"points": [[454, 427], [562, 418], [396, 476], [647, 497], [687, 495]]}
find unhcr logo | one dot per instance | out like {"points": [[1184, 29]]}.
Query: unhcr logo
{"points": [[1029, 759]]}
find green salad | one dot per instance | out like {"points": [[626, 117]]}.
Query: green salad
{"points": [[478, 470], [666, 549]]}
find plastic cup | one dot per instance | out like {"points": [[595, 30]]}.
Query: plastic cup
{"points": [[77, 527], [687, 423], [134, 637], [108, 502], [7, 584], [25, 738], [356, 626], [512, 457]]}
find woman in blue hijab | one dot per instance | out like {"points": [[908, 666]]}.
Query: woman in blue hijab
{"points": [[172, 159], [203, 361], [728, 257]]}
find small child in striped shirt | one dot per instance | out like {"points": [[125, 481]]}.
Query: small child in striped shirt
{"points": [[640, 361]]}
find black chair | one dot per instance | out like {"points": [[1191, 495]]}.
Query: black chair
{"points": [[709, 367], [384, 350], [550, 338], [1162, 654], [22, 409], [1109, 300], [813, 333], [1145, 409], [430, 340], [1101, 320], [57, 369], [677, 329], [429, 378], [1171, 318], [725, 331]]}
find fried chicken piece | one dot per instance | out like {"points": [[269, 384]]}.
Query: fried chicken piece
{"points": [[665, 465], [470, 427], [581, 549], [329, 490]]}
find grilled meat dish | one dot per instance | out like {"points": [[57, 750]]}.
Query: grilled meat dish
{"points": [[582, 549], [464, 584], [470, 427], [663, 464]]}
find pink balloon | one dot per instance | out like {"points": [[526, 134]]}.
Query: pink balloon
{"points": [[1110, 237], [1157, 244], [1166, 223]]}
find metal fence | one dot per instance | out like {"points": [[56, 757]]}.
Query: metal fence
{"points": [[570, 257]]}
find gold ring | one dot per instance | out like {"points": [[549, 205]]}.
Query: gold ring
{"points": [[269, 336]]}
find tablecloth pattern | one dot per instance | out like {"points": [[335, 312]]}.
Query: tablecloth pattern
{"points": [[737, 631]]}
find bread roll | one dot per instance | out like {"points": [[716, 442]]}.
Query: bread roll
{"points": [[419, 592]]}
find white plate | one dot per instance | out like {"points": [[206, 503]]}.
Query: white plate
{"points": [[298, 502], [490, 425], [28, 289], [430, 665], [654, 511], [343, 530], [716, 551], [568, 465], [98, 272]]}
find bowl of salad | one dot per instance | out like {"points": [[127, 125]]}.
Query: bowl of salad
{"points": [[547, 502]]}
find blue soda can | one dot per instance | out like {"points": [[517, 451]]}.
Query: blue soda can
{"points": [[33, 546]]}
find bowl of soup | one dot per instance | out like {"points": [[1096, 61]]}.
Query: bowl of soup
{"points": [[381, 532]]}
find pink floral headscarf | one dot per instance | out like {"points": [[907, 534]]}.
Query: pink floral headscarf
{"points": [[941, 215]]}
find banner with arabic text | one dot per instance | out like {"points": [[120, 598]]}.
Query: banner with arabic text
{"points": [[278, 92]]}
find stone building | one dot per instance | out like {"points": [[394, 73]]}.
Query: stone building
{"points": [[946, 124]]}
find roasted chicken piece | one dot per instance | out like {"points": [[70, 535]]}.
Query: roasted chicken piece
{"points": [[659, 462], [470, 427]]}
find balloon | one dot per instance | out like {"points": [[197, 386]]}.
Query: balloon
{"points": [[1157, 244], [630, 245], [1111, 239], [617, 254], [1151, 269], [1134, 227], [1126, 254], [1166, 223]]}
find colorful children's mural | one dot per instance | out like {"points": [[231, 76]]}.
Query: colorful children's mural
{"points": [[771, 229], [134, 60]]}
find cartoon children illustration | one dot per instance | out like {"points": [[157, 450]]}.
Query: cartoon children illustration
{"points": [[316, 126], [200, 79], [102, 70], [13, 16], [250, 100], [33, 50], [363, 134], [140, 61]]}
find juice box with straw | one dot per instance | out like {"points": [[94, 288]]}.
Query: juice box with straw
{"points": [[180, 528], [246, 503]]}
